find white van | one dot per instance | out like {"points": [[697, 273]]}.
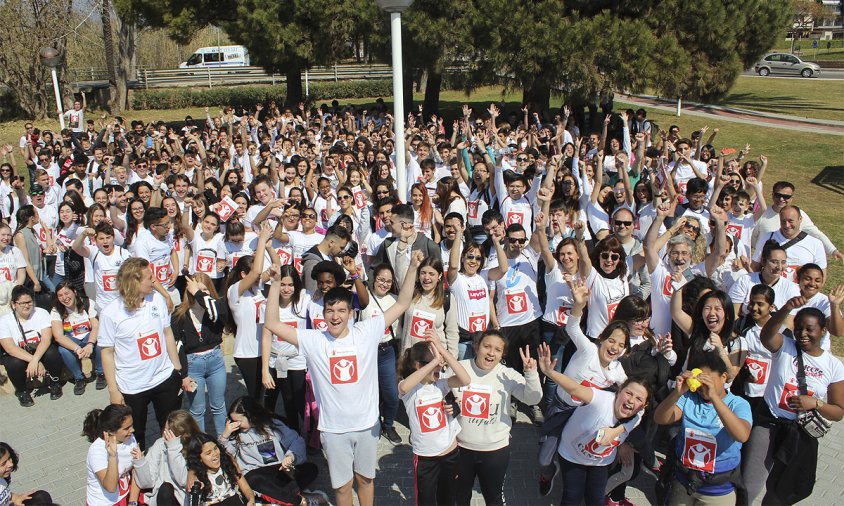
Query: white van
{"points": [[217, 56]]}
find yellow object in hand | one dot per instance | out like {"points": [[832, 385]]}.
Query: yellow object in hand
{"points": [[693, 382]]}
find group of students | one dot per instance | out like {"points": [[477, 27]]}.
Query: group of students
{"points": [[629, 290]]}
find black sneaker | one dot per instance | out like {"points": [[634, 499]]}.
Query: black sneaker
{"points": [[101, 382], [547, 483], [391, 435], [25, 399], [78, 387], [55, 390]]}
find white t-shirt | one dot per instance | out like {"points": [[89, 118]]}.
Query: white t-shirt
{"points": [[104, 268], [11, 259], [345, 375], [604, 296], [807, 250], [140, 346], [377, 306], [300, 243], [76, 325], [294, 316], [97, 460], [157, 252], [471, 296], [32, 328], [559, 302], [65, 236], [758, 363], [784, 289], [578, 441], [820, 373], [432, 431], [248, 313], [740, 228], [516, 293], [518, 211], [661, 292], [476, 206], [204, 255], [585, 366]]}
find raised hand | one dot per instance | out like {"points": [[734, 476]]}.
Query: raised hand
{"points": [[579, 292], [528, 362], [546, 361]]}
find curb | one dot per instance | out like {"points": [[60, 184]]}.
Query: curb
{"points": [[736, 110]]}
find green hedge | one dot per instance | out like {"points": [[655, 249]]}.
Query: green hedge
{"points": [[248, 96]]}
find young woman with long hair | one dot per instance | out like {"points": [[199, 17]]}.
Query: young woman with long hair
{"points": [[163, 469], [75, 329], [69, 265], [8, 465], [220, 480], [27, 241], [430, 309], [423, 211], [198, 323], [109, 463]]}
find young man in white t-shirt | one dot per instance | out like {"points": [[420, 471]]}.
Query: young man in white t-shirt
{"points": [[343, 363]]}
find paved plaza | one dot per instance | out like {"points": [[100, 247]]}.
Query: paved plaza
{"points": [[52, 449]]}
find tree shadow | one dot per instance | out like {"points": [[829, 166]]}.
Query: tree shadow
{"points": [[774, 103], [831, 178]]}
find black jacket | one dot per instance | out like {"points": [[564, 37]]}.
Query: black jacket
{"points": [[213, 322]]}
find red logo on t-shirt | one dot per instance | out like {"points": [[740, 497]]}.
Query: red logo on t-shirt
{"points": [[344, 369], [601, 451], [225, 209], [699, 453], [515, 217], [758, 370], [611, 309], [6, 273], [149, 346], [734, 229], [563, 315], [360, 200], [420, 325], [472, 209], [790, 390], [431, 417], [790, 272], [477, 294], [81, 328], [475, 404], [109, 282], [204, 263], [297, 264], [516, 302], [319, 324], [284, 256], [477, 323], [667, 287], [161, 272]]}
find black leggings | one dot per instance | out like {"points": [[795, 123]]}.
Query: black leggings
{"points": [[293, 394], [250, 370], [16, 368], [165, 399], [274, 483], [489, 467], [435, 479]]}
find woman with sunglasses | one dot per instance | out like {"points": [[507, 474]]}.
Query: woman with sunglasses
{"points": [[470, 291], [26, 337], [773, 265], [359, 216], [605, 272]]}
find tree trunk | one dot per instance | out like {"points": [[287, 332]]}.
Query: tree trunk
{"points": [[294, 86], [539, 94], [432, 94], [127, 34], [407, 87], [108, 46]]}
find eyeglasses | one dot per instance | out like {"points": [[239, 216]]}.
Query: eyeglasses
{"points": [[473, 257], [606, 255], [384, 281], [165, 225], [691, 227], [344, 197], [620, 223], [783, 196], [24, 302], [517, 240]]}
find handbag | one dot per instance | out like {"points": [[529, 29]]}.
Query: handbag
{"points": [[811, 421], [27, 346]]}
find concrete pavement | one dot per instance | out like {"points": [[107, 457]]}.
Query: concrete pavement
{"points": [[48, 438]]}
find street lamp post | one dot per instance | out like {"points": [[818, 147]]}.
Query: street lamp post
{"points": [[395, 8], [50, 58]]}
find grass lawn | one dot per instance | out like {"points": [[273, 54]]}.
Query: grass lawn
{"points": [[835, 52], [814, 163], [808, 98]]}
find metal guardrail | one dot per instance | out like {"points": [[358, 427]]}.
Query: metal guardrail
{"points": [[211, 77]]}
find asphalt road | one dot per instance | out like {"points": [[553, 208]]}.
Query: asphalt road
{"points": [[826, 75]]}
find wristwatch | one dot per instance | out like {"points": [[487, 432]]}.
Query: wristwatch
{"points": [[819, 403]]}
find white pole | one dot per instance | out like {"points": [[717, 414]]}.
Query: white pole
{"points": [[307, 84], [398, 103], [58, 96], [679, 105]]}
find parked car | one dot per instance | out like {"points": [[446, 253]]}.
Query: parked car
{"points": [[784, 63]]}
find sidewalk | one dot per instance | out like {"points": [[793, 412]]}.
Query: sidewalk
{"points": [[52, 450], [737, 115]]}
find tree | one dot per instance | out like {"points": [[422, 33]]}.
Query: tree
{"points": [[806, 14], [108, 47], [29, 26], [282, 36]]}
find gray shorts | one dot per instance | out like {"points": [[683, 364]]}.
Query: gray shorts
{"points": [[350, 453]]}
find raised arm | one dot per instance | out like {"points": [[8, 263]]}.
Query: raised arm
{"points": [[548, 367], [584, 263], [258, 260], [405, 297], [454, 257], [683, 320], [770, 336], [503, 266]]}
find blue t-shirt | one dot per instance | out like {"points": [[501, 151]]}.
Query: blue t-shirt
{"points": [[702, 434]]}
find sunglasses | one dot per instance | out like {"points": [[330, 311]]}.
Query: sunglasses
{"points": [[517, 240], [782, 196], [344, 197], [473, 257], [522, 159], [623, 223], [606, 255], [308, 216], [691, 227]]}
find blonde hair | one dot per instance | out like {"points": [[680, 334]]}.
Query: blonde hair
{"points": [[129, 282], [183, 425]]}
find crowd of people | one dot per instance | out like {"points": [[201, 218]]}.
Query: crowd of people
{"points": [[633, 290]]}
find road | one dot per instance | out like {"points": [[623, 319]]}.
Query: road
{"points": [[826, 75]]}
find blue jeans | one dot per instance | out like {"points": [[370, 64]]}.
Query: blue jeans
{"points": [[208, 369], [388, 387], [583, 483], [557, 341], [72, 362], [49, 283]]}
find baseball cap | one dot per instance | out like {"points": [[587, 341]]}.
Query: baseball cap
{"points": [[36, 189]]}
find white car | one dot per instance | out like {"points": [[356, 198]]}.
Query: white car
{"points": [[784, 63]]}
